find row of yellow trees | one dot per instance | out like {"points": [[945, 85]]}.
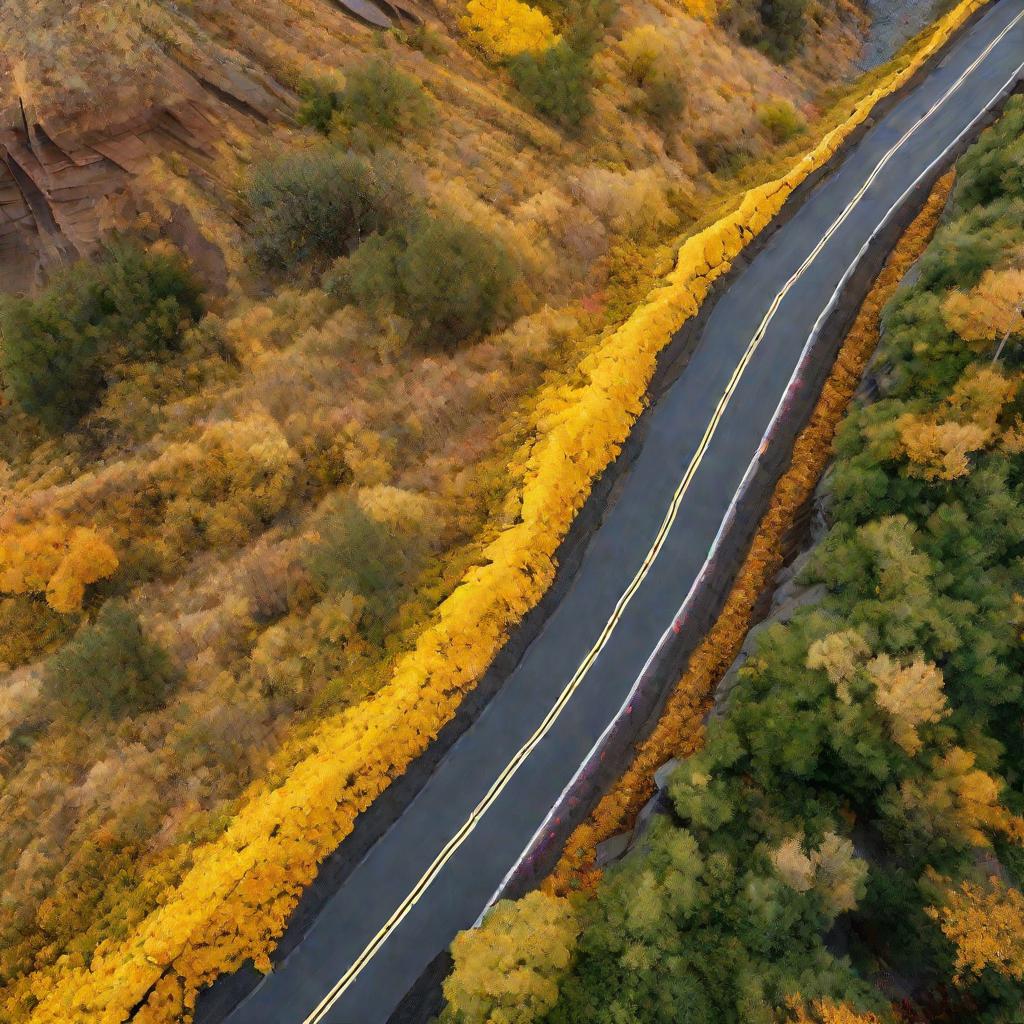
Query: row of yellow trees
{"points": [[233, 903]]}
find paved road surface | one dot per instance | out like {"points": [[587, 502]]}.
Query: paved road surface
{"points": [[301, 990]]}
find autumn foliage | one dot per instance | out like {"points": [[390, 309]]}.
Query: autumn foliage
{"points": [[54, 559], [508, 969], [227, 456], [986, 924], [504, 28]]}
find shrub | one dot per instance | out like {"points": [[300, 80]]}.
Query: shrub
{"points": [[781, 121], [425, 39], [722, 155], [647, 66], [451, 281], [58, 347], [642, 50], [315, 205], [585, 21], [111, 667], [319, 101], [379, 99], [556, 83], [664, 99], [784, 28], [358, 554]]}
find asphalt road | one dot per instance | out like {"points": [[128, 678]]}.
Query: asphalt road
{"points": [[305, 988]]}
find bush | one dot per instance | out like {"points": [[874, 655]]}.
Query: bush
{"points": [[380, 100], [319, 101], [721, 155], [556, 83], [316, 205], [784, 28], [583, 23], [111, 668], [503, 28], [664, 99], [58, 347], [451, 281], [781, 121], [647, 66], [358, 554]]}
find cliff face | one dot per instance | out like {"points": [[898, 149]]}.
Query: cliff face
{"points": [[60, 189], [91, 91]]}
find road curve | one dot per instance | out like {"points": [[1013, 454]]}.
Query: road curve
{"points": [[435, 869]]}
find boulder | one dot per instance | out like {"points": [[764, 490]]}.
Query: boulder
{"points": [[612, 849]]}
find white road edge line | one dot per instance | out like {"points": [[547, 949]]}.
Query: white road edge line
{"points": [[453, 844]]}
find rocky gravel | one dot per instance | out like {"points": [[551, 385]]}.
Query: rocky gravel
{"points": [[893, 22]]}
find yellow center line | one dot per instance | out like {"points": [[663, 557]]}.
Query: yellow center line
{"points": [[507, 773]]}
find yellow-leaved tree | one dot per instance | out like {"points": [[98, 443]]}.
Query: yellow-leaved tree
{"points": [[55, 559], [959, 799], [840, 655], [825, 1011], [503, 28], [986, 924], [911, 694], [833, 869], [991, 310], [939, 445], [507, 970]]}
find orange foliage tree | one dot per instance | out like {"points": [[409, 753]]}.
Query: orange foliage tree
{"points": [[990, 310], [939, 445], [911, 694], [55, 559]]}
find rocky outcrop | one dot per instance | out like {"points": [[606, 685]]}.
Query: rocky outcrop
{"points": [[87, 101]]}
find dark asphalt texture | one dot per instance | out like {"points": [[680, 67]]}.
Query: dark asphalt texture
{"points": [[392, 867]]}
